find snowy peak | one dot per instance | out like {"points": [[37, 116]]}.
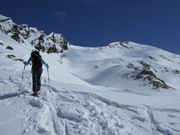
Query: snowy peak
{"points": [[4, 18], [6, 24], [52, 43], [127, 45]]}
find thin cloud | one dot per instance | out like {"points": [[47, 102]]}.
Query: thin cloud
{"points": [[61, 15]]}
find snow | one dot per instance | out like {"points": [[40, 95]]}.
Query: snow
{"points": [[91, 92], [10, 123], [2, 17]]}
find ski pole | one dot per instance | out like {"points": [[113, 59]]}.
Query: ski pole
{"points": [[48, 79], [22, 78]]}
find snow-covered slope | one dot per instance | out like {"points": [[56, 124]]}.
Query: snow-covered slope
{"points": [[120, 64], [120, 89]]}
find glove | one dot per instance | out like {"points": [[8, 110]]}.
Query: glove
{"points": [[25, 63]]}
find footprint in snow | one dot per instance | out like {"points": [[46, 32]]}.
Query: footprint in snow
{"points": [[43, 131], [171, 116], [36, 103]]}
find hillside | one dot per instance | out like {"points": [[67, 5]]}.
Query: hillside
{"points": [[122, 88]]}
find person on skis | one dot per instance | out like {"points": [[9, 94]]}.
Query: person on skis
{"points": [[37, 63]]}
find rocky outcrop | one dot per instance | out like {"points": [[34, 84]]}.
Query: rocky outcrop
{"points": [[52, 43], [149, 77]]}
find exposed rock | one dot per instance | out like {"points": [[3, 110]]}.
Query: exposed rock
{"points": [[145, 65], [52, 50], [21, 60], [9, 47], [96, 67], [11, 56], [124, 44], [64, 47], [15, 33], [162, 56], [131, 66], [40, 47], [152, 79], [152, 58], [176, 71]]}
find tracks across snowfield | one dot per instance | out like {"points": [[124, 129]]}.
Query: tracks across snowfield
{"points": [[61, 111]]}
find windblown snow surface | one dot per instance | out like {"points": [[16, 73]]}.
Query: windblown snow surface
{"points": [[88, 94]]}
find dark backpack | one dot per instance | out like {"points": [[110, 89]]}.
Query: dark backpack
{"points": [[36, 60]]}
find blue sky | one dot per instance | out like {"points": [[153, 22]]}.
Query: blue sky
{"points": [[99, 22]]}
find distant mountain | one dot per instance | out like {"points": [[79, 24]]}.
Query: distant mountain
{"points": [[126, 65]]}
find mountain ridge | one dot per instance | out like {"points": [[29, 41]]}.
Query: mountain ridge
{"points": [[52, 43], [55, 43]]}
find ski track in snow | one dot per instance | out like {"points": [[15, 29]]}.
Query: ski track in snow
{"points": [[68, 112]]}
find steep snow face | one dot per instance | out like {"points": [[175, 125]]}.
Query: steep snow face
{"points": [[119, 89]]}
